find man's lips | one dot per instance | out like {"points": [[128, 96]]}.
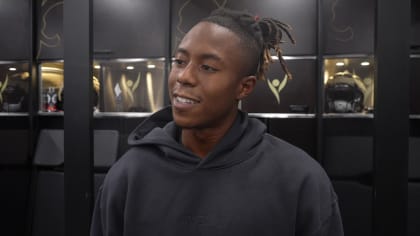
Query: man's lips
{"points": [[184, 99]]}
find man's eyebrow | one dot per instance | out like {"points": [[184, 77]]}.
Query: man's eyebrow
{"points": [[210, 56], [182, 51], [203, 56]]}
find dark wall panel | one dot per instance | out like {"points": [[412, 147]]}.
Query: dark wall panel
{"points": [[415, 25], [348, 148], [299, 132], [48, 218], [300, 14], [15, 29], [131, 29], [14, 140], [414, 159], [415, 86], [121, 29], [14, 148], [415, 127], [355, 201], [413, 226], [14, 188], [348, 127], [349, 157]]}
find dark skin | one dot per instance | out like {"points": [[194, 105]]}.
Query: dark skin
{"points": [[206, 83]]}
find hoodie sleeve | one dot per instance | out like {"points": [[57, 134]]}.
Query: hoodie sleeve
{"points": [[108, 214], [333, 225], [96, 226], [318, 212]]}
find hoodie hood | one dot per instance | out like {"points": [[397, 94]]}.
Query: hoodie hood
{"points": [[238, 144]]}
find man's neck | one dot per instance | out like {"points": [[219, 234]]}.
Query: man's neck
{"points": [[202, 141]]}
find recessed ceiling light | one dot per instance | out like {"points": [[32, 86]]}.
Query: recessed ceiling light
{"points": [[51, 69], [12, 69], [97, 67], [365, 63], [151, 66], [340, 63], [130, 67]]}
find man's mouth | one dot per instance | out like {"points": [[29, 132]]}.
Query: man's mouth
{"points": [[185, 100]]}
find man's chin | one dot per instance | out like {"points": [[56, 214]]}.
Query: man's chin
{"points": [[183, 123]]}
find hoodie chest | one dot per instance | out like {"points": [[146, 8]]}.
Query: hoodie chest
{"points": [[209, 200]]}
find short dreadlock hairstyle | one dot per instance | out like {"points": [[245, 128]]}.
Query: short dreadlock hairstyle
{"points": [[259, 36]]}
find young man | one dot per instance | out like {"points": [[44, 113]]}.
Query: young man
{"points": [[201, 166]]}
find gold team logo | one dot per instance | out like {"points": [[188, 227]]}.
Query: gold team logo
{"points": [[2, 88], [276, 86]]}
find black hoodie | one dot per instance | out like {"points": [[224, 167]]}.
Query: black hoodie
{"points": [[252, 183]]}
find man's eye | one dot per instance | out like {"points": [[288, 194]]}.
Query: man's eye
{"points": [[208, 68], [178, 62]]}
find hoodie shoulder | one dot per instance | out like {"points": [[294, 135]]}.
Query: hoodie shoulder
{"points": [[318, 211], [289, 153]]}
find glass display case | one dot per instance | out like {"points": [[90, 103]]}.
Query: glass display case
{"points": [[131, 85], [349, 85], [14, 86], [119, 85]]}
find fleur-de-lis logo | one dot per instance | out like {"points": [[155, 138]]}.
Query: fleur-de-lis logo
{"points": [[46, 40], [276, 86], [343, 34]]}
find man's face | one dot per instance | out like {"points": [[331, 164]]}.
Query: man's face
{"points": [[205, 80]]}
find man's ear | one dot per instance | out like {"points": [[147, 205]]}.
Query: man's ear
{"points": [[247, 85]]}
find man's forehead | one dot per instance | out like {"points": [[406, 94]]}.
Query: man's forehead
{"points": [[211, 31], [208, 40]]}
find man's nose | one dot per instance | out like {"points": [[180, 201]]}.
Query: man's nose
{"points": [[187, 76]]}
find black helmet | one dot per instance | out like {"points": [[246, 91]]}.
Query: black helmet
{"points": [[342, 94]]}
